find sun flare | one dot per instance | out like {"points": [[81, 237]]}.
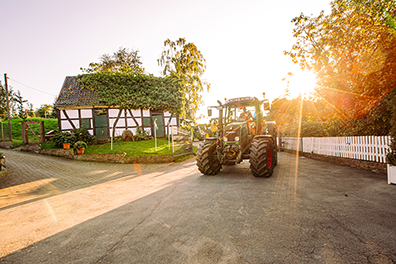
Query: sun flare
{"points": [[302, 83]]}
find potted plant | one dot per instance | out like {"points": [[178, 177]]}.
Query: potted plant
{"points": [[66, 144], [80, 147], [391, 160], [63, 139]]}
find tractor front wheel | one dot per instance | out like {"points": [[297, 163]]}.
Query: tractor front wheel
{"points": [[262, 157], [207, 160]]}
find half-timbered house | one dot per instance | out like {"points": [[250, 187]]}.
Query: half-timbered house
{"points": [[79, 107]]}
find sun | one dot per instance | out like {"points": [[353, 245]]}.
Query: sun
{"points": [[302, 83]]}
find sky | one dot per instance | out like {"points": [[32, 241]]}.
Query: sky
{"points": [[43, 41]]}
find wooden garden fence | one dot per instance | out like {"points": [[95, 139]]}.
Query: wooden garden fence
{"points": [[370, 148]]}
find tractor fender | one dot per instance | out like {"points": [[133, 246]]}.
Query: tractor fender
{"points": [[263, 136], [271, 125]]}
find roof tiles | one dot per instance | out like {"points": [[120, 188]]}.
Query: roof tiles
{"points": [[72, 94]]}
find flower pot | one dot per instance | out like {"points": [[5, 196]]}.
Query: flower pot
{"points": [[80, 151], [391, 174], [66, 145]]}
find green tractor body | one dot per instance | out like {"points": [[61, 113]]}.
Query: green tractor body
{"points": [[240, 133]]}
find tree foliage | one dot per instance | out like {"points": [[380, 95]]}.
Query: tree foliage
{"points": [[122, 60], [22, 111], [136, 91], [319, 119], [353, 53], [44, 111], [3, 100], [185, 61], [19, 107]]}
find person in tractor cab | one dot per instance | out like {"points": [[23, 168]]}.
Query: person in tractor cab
{"points": [[245, 115]]}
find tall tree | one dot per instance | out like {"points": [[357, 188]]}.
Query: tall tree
{"points": [[122, 60], [352, 51], [3, 99], [185, 61], [22, 112]]}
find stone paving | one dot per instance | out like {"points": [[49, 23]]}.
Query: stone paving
{"points": [[307, 212], [52, 175]]}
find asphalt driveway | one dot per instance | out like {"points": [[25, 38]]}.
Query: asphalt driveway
{"points": [[61, 211]]}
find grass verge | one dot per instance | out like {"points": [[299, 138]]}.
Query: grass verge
{"points": [[133, 149]]}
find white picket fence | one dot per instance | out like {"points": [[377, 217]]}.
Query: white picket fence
{"points": [[370, 148]]}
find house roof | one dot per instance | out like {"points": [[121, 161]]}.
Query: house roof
{"points": [[72, 94]]}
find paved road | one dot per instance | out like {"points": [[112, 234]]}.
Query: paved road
{"points": [[60, 211]]}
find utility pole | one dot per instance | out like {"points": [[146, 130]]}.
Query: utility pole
{"points": [[8, 106]]}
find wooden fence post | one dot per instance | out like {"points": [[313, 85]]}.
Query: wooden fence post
{"points": [[24, 133], [42, 132]]}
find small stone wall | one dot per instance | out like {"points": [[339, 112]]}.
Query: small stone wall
{"points": [[360, 164], [6, 144], [150, 159], [67, 153], [32, 147], [107, 157]]}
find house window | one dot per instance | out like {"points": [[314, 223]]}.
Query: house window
{"points": [[146, 121], [86, 123]]}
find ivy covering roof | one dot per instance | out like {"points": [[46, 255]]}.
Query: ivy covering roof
{"points": [[126, 91]]}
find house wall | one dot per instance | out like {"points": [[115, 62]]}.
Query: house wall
{"points": [[72, 118], [69, 119]]}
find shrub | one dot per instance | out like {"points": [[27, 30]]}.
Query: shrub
{"points": [[63, 137], [81, 134], [141, 135]]}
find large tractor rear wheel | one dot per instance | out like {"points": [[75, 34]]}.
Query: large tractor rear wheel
{"points": [[207, 160], [262, 157]]}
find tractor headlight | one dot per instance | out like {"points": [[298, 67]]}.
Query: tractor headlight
{"points": [[236, 138]]}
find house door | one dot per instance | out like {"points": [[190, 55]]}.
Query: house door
{"points": [[160, 123], [101, 127]]}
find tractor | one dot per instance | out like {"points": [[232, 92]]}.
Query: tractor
{"points": [[240, 132]]}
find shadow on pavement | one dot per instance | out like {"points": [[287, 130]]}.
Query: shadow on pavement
{"points": [[31, 177]]}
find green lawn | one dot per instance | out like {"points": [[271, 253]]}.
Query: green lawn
{"points": [[132, 149]]}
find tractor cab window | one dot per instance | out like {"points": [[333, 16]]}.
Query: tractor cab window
{"points": [[239, 114], [245, 113], [229, 115]]}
